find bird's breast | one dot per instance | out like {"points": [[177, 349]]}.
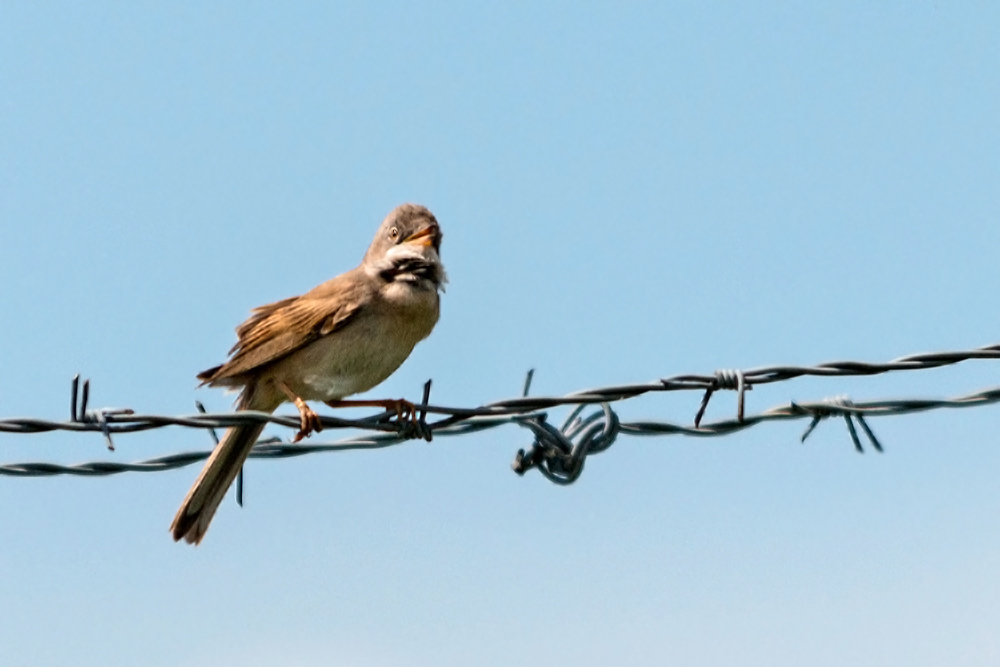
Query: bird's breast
{"points": [[367, 350]]}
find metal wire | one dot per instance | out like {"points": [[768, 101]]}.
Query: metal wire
{"points": [[559, 453]]}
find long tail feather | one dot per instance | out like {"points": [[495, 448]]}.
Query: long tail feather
{"points": [[198, 508]]}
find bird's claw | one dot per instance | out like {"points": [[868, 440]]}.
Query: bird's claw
{"points": [[405, 411]]}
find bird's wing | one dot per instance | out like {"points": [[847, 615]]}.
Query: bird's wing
{"points": [[278, 329]]}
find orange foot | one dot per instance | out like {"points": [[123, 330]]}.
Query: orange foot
{"points": [[308, 420]]}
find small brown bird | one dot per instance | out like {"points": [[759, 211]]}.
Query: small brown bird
{"points": [[341, 338]]}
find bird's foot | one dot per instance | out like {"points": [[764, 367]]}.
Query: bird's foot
{"points": [[405, 411], [308, 419], [407, 419]]}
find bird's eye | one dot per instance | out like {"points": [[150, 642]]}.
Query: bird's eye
{"points": [[393, 233]]}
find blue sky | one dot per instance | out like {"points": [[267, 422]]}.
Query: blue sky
{"points": [[627, 191]]}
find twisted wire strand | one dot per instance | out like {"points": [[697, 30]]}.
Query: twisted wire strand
{"points": [[559, 453], [604, 420]]}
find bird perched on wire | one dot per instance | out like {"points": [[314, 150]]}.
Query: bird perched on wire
{"points": [[340, 338]]}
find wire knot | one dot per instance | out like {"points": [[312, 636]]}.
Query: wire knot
{"points": [[725, 379], [559, 454], [728, 378]]}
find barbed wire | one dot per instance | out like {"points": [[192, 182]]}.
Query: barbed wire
{"points": [[558, 453]]}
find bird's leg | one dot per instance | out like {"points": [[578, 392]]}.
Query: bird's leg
{"points": [[308, 420], [404, 409]]}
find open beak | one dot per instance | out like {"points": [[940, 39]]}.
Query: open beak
{"points": [[428, 236]]}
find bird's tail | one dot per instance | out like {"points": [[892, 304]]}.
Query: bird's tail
{"points": [[220, 470]]}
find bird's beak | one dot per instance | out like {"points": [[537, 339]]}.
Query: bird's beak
{"points": [[428, 236]]}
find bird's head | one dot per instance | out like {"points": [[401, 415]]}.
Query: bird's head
{"points": [[407, 247]]}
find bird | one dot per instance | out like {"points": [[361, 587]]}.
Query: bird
{"points": [[341, 338]]}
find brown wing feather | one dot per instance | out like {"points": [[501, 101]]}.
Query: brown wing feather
{"points": [[259, 314], [277, 329]]}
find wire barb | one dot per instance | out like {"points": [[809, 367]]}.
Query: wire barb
{"points": [[527, 382], [86, 398], [845, 407], [98, 416], [422, 430], [725, 379], [74, 391]]}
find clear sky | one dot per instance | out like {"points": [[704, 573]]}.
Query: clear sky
{"points": [[627, 191]]}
